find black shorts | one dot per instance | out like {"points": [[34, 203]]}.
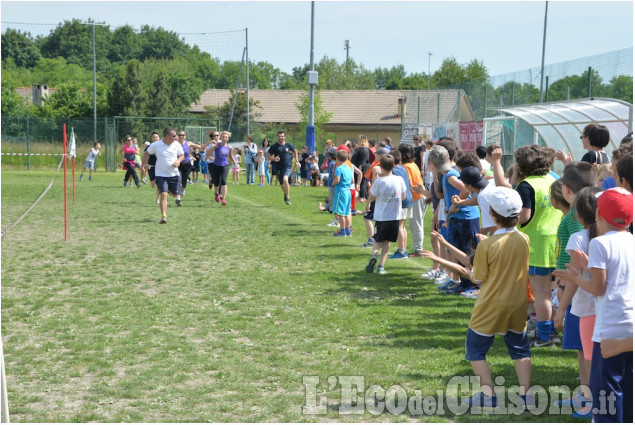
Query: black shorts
{"points": [[386, 231], [151, 174], [219, 175], [369, 214]]}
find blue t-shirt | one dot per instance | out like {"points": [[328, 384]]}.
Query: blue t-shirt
{"points": [[346, 176], [400, 171], [608, 183], [329, 182], [221, 155], [465, 213]]}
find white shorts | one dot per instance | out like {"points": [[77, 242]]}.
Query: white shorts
{"points": [[405, 213]]}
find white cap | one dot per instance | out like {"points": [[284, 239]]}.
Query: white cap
{"points": [[146, 144], [505, 201]]}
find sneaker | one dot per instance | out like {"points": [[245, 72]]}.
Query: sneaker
{"points": [[349, 232], [470, 293], [163, 220], [204, 181], [370, 267], [124, 183], [144, 181], [81, 176], [415, 254], [539, 343], [342, 232], [287, 201], [584, 413], [177, 201], [90, 178], [456, 290], [138, 184], [381, 270], [443, 284], [217, 198], [576, 401], [223, 202], [556, 338], [367, 244], [399, 255], [442, 278], [334, 223], [431, 274], [481, 400], [450, 286]]}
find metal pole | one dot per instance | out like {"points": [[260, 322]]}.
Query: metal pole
{"points": [[547, 88], [312, 65], [429, 55], [94, 89], [4, 399], [247, 54], [28, 156], [544, 42], [589, 84]]}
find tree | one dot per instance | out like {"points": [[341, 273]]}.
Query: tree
{"points": [[621, 87], [390, 79], [125, 45], [239, 119], [320, 116], [20, 47], [125, 96], [157, 43], [12, 102]]}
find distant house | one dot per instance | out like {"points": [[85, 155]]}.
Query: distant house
{"points": [[376, 113], [34, 95]]}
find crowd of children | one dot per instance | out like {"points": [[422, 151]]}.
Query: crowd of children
{"points": [[526, 243]]}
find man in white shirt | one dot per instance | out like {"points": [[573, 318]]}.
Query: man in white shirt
{"points": [[169, 155]]}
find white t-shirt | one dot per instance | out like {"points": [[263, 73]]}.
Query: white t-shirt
{"points": [[614, 252], [92, 155], [483, 203], [388, 191], [484, 164], [583, 303], [166, 156]]}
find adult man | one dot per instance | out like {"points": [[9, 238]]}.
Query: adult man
{"points": [[169, 155], [282, 154], [251, 150]]}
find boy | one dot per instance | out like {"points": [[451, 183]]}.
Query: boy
{"points": [[342, 178], [369, 177], [501, 267], [406, 207], [476, 183], [610, 262], [90, 161], [387, 193], [331, 156]]}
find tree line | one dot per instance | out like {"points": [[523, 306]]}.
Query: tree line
{"points": [[153, 72]]}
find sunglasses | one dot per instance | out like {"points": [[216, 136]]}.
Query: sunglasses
{"points": [[583, 136], [182, 135]]}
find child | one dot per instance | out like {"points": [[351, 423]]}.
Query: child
{"points": [[89, 163], [406, 207], [260, 163], [474, 182], [539, 220], [342, 178], [389, 191], [196, 164], [609, 263], [463, 268], [331, 156], [304, 165], [419, 195], [370, 176], [314, 169], [501, 267], [236, 166]]}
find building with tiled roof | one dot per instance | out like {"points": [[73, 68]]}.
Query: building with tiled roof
{"points": [[372, 112]]}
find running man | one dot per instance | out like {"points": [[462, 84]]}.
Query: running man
{"points": [[282, 154]]}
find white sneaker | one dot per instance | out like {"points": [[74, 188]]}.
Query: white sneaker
{"points": [[334, 223], [442, 279], [431, 274]]}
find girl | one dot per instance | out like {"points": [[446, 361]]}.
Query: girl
{"points": [[236, 166], [260, 163]]}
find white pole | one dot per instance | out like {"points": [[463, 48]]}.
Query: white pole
{"points": [[4, 407], [544, 42]]}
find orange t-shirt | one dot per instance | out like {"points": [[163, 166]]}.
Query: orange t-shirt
{"points": [[369, 174], [414, 174]]}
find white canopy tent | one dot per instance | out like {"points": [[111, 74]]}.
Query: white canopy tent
{"points": [[558, 125]]}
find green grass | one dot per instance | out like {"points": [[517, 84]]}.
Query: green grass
{"points": [[218, 315]]}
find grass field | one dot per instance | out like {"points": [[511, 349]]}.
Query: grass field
{"points": [[220, 314]]}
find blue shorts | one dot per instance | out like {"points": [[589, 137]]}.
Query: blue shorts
{"points": [[571, 335], [462, 234], [168, 184], [540, 271], [304, 174], [282, 173], [443, 230], [614, 377], [341, 202], [477, 346]]}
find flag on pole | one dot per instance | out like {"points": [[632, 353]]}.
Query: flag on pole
{"points": [[71, 151]]}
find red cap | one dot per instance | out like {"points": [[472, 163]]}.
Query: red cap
{"points": [[616, 206], [343, 148]]}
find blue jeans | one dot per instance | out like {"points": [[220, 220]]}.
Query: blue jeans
{"points": [[250, 168], [267, 172]]}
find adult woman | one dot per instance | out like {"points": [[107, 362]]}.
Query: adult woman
{"points": [[594, 138], [129, 151], [186, 164], [362, 159], [265, 149], [220, 166]]}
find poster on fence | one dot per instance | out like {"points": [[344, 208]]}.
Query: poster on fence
{"points": [[471, 135], [449, 130]]}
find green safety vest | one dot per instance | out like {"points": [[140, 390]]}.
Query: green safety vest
{"points": [[542, 229]]}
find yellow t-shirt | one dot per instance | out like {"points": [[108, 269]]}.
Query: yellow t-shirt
{"points": [[501, 266]]}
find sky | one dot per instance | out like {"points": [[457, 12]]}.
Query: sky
{"points": [[506, 36]]}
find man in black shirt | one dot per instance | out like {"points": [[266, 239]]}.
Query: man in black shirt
{"points": [[282, 154]]}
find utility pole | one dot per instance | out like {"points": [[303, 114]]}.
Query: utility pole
{"points": [[347, 47], [429, 56], [94, 80], [544, 42], [312, 80]]}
